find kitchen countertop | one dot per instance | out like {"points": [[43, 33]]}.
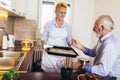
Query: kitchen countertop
{"points": [[25, 74], [26, 62]]}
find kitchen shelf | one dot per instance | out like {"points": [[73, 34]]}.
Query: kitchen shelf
{"points": [[11, 12]]}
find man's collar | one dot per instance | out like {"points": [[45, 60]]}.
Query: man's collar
{"points": [[106, 36]]}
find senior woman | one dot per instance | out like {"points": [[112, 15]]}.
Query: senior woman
{"points": [[57, 32]]}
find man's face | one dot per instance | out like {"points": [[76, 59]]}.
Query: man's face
{"points": [[97, 28]]}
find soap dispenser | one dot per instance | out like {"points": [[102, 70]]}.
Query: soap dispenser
{"points": [[5, 39], [4, 42]]}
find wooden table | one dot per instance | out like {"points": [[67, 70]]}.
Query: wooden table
{"points": [[44, 76]]}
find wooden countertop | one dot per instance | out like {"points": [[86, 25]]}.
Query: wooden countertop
{"points": [[26, 62]]}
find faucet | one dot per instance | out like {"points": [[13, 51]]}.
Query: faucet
{"points": [[4, 43], [5, 32]]}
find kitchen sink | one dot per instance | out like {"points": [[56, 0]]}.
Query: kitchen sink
{"points": [[11, 60], [8, 63], [11, 54]]}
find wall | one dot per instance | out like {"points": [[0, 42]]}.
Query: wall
{"points": [[111, 8], [82, 20], [32, 10], [20, 27], [8, 25], [25, 28], [83, 12]]}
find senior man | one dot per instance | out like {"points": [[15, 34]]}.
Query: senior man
{"points": [[106, 52]]}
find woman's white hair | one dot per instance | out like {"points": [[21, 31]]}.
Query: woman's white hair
{"points": [[107, 22]]}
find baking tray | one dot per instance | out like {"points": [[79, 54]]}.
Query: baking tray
{"points": [[62, 51]]}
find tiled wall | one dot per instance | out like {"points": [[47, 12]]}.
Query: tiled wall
{"points": [[25, 29], [20, 27], [8, 25]]}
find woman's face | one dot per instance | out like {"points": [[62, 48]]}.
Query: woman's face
{"points": [[61, 13]]}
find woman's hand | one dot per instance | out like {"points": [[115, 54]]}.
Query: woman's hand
{"points": [[43, 42]]}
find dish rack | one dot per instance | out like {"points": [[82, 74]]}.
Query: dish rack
{"points": [[37, 58]]}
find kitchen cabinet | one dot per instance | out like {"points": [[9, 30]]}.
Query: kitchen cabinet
{"points": [[10, 12], [19, 6], [5, 5], [26, 8]]}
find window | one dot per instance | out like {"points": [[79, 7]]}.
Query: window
{"points": [[47, 12]]}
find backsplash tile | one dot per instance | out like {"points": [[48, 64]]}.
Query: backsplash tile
{"points": [[24, 28], [8, 25], [20, 27]]}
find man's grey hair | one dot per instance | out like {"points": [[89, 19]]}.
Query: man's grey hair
{"points": [[107, 22]]}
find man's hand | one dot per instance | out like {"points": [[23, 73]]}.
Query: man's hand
{"points": [[79, 67], [75, 65], [82, 69], [76, 43]]}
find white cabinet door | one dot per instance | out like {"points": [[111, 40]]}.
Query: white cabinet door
{"points": [[5, 3], [13, 4], [19, 6], [27, 7]]}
